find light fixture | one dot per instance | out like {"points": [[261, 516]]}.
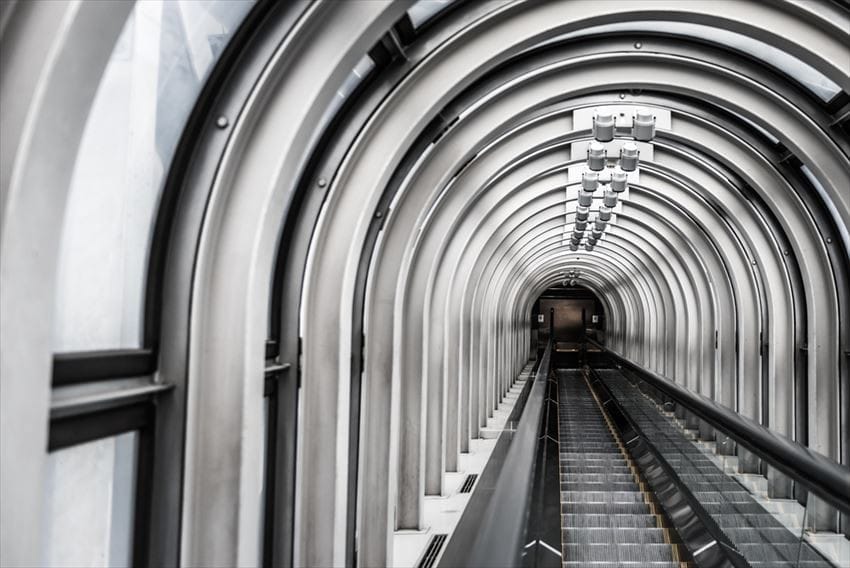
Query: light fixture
{"points": [[609, 199], [589, 180], [581, 226], [604, 122], [588, 248], [600, 225], [582, 213], [629, 156], [619, 179], [604, 213], [596, 155], [643, 126], [573, 247], [585, 198]]}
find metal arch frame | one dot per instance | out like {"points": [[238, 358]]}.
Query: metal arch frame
{"points": [[796, 47], [811, 254], [776, 319], [813, 110], [635, 301], [219, 515]]}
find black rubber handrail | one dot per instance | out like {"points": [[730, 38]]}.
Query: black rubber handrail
{"points": [[824, 477], [499, 541]]}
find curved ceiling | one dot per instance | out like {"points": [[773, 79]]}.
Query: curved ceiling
{"points": [[423, 203]]}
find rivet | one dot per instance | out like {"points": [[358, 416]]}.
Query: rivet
{"points": [[829, 240], [622, 95], [379, 214], [638, 45], [785, 252], [754, 263], [322, 182], [222, 122]]}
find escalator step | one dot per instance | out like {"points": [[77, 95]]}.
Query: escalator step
{"points": [[758, 535], [603, 486], [641, 564], [777, 552], [613, 536], [613, 520], [571, 477], [605, 508], [746, 535], [601, 497], [759, 520], [620, 553]]}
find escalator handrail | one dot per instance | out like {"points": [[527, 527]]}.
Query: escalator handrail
{"points": [[499, 540], [824, 477]]}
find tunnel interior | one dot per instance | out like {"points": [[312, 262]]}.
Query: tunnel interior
{"points": [[576, 314], [322, 283]]}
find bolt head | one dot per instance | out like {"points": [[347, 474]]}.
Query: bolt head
{"points": [[222, 122]]}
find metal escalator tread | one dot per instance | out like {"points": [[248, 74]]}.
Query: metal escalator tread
{"points": [[604, 517], [757, 534]]}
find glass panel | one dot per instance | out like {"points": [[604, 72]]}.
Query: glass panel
{"points": [[89, 503], [424, 10], [803, 73], [150, 85]]}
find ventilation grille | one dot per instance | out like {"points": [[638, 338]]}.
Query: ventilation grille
{"points": [[429, 558], [468, 483]]}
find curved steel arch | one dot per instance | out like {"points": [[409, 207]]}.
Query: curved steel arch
{"points": [[263, 161]]}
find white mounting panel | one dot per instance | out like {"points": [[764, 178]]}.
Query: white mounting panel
{"points": [[578, 151], [583, 117], [572, 200]]}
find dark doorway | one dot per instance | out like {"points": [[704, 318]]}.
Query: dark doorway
{"points": [[578, 313]]}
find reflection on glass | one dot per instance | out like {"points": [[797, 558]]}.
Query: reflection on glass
{"points": [[89, 502], [148, 89], [803, 73], [424, 10]]}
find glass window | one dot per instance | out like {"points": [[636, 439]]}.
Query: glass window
{"points": [[148, 89], [424, 10], [89, 503], [803, 73]]}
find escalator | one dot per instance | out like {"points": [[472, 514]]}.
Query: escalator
{"points": [[755, 533], [607, 518], [634, 488]]}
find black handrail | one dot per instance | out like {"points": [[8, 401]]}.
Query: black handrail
{"points": [[499, 541], [824, 477]]}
